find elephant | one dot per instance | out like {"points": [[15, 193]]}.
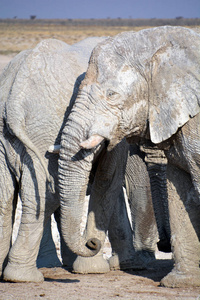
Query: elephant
{"points": [[143, 87], [37, 90]]}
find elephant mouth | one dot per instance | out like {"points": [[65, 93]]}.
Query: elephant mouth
{"points": [[92, 141]]}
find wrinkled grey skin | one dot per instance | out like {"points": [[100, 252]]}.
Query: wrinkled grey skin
{"points": [[35, 91], [146, 86]]}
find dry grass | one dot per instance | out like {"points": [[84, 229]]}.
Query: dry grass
{"points": [[15, 38], [18, 36]]}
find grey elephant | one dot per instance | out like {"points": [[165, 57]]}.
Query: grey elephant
{"points": [[35, 90], [144, 86], [25, 63]]}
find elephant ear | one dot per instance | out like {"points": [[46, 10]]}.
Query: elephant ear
{"points": [[174, 89]]}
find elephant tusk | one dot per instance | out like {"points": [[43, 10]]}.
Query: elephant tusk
{"points": [[92, 142], [54, 149]]}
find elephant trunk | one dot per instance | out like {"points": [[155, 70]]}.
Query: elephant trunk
{"points": [[75, 165]]}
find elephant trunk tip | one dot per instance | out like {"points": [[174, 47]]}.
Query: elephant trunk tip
{"points": [[94, 245]]}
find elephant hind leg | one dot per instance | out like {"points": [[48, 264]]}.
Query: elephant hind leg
{"points": [[21, 265], [184, 222]]}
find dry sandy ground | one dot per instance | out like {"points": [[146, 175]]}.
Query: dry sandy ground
{"points": [[62, 284]]}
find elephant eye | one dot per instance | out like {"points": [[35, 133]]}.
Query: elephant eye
{"points": [[110, 93]]}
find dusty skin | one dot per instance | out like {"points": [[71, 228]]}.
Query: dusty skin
{"points": [[62, 284]]}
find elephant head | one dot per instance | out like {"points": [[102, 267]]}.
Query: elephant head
{"points": [[143, 84]]}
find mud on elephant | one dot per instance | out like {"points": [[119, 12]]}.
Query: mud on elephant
{"points": [[144, 86]]}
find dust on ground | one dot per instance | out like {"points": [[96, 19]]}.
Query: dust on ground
{"points": [[62, 284]]}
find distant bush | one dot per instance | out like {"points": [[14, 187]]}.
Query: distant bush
{"points": [[32, 17], [178, 21]]}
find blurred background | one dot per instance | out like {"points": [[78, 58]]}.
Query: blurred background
{"points": [[24, 23]]}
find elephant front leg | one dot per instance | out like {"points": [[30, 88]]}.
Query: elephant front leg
{"points": [[185, 232], [21, 265]]}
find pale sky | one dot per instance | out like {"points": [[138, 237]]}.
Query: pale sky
{"points": [[86, 9]]}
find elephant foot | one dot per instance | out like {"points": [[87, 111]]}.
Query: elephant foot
{"points": [[177, 279], [22, 274], [134, 262], [94, 264]]}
